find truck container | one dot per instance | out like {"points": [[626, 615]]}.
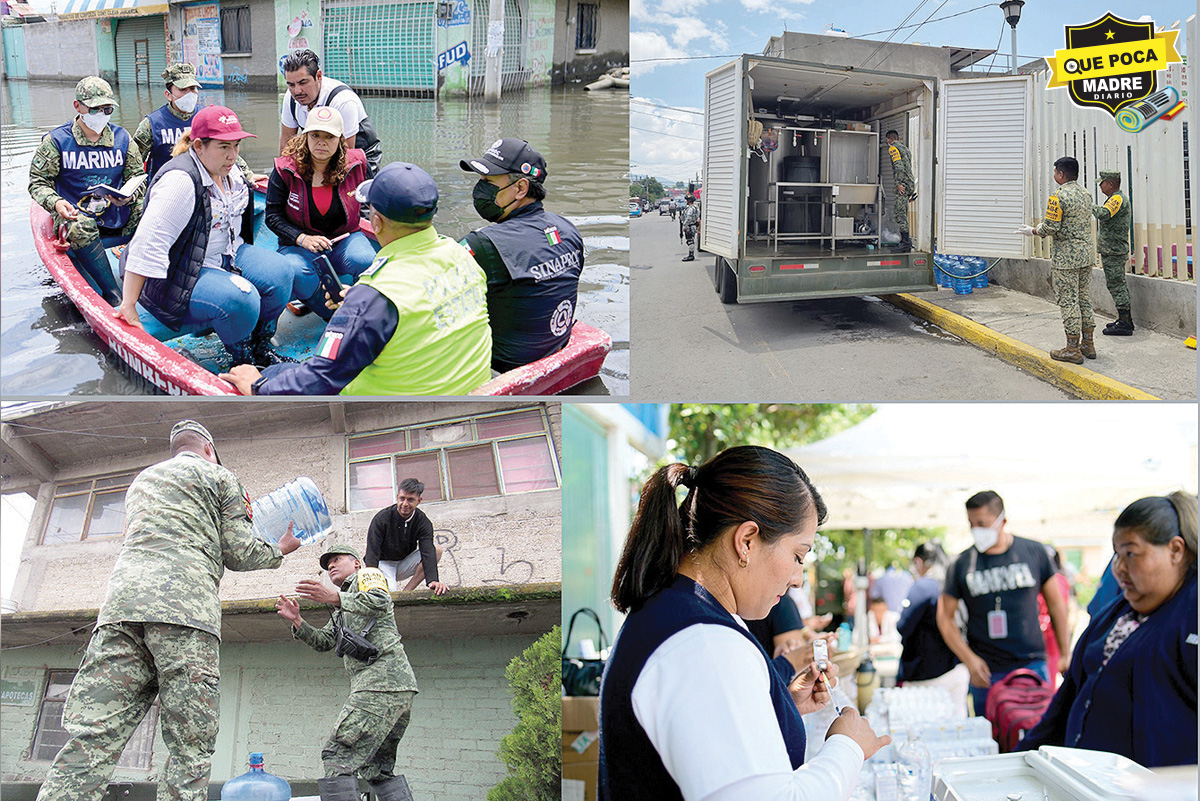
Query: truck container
{"points": [[798, 184]]}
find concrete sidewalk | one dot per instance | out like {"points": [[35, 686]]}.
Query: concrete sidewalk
{"points": [[1021, 329]]}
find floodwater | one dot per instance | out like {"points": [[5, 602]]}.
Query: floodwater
{"points": [[46, 348]]}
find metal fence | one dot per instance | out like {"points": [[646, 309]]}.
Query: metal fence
{"points": [[385, 47], [1153, 164]]}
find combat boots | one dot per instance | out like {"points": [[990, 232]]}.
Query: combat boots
{"points": [[688, 257], [1070, 353], [904, 245], [92, 261], [1122, 326], [393, 789], [1086, 346], [338, 788]]}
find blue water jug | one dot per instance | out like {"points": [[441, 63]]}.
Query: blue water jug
{"points": [[845, 633], [256, 785], [979, 270], [298, 502]]}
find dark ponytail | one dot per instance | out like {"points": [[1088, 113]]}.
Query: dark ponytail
{"points": [[746, 483]]}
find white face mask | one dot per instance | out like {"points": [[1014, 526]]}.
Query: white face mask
{"points": [[96, 120], [187, 103], [986, 537]]}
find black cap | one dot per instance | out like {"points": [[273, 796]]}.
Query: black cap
{"points": [[508, 156]]}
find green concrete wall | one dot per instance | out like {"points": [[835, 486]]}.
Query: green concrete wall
{"points": [[106, 50], [283, 699]]}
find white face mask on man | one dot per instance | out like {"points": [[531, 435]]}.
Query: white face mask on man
{"points": [[96, 120], [987, 536], [187, 103]]}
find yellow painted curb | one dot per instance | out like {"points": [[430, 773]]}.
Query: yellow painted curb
{"points": [[1079, 381]]}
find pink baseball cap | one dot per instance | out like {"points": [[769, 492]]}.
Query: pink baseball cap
{"points": [[218, 122]]}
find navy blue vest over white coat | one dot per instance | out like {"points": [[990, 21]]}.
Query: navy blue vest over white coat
{"points": [[630, 768], [81, 167]]}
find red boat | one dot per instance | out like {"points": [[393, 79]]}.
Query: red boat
{"points": [[154, 354]]}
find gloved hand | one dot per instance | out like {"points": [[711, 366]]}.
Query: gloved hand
{"points": [[1027, 230]]}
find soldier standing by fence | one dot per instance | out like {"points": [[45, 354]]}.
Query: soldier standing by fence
{"points": [[1068, 220], [1112, 240]]}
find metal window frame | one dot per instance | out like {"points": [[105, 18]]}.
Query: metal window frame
{"points": [[143, 734], [244, 48], [91, 492], [594, 26], [441, 450]]}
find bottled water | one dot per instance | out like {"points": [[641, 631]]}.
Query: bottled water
{"points": [[298, 502], [256, 785], [914, 768]]}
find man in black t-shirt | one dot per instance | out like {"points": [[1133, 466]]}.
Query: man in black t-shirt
{"points": [[400, 542], [998, 580]]}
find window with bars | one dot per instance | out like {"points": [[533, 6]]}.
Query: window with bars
{"points": [[381, 45], [496, 454], [50, 736], [587, 23], [87, 509], [235, 29]]}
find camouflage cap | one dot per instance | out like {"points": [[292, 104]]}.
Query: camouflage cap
{"points": [[182, 75], [1110, 175], [93, 91], [193, 426], [335, 550]]}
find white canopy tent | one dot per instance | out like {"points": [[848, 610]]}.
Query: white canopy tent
{"points": [[1065, 470]]}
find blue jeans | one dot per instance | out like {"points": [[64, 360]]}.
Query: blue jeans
{"points": [[349, 258], [232, 308], [979, 694]]}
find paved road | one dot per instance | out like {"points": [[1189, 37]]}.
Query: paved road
{"points": [[687, 345]]}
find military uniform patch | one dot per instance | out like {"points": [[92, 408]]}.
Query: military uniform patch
{"points": [[894, 152], [249, 507], [1113, 204], [1053, 210], [371, 578]]}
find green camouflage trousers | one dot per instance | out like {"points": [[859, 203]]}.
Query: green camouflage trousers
{"points": [[126, 666], [1114, 277], [902, 212], [84, 229], [1073, 295], [366, 735]]}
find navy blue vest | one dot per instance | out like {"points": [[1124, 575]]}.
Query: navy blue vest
{"points": [[531, 317], [84, 166], [630, 768], [168, 298], [165, 130]]}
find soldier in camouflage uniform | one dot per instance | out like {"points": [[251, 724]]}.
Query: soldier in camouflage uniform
{"points": [[76, 155], [1112, 241], [905, 185], [160, 130], [374, 717], [159, 630], [1068, 220], [690, 225]]}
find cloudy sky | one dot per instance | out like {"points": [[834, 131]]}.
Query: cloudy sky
{"points": [[674, 43]]}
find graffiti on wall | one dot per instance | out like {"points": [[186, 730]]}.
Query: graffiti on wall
{"points": [[460, 16], [237, 76]]}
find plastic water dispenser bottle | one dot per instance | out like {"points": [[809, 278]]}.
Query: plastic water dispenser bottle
{"points": [[256, 785], [915, 769], [298, 502]]}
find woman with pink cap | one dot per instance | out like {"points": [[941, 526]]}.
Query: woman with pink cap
{"points": [[191, 263]]}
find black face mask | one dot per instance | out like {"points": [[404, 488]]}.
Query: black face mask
{"points": [[484, 198]]}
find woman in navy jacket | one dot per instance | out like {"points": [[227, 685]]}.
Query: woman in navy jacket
{"points": [[1131, 687], [690, 707]]}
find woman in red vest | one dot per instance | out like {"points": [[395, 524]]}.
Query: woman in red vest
{"points": [[312, 208]]}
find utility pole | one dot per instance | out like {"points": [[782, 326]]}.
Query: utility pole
{"points": [[495, 52]]}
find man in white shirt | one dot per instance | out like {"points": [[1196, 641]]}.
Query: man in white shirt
{"points": [[309, 88]]}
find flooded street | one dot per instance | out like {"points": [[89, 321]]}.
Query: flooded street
{"points": [[49, 350]]}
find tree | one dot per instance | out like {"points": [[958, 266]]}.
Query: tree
{"points": [[654, 189], [532, 750], [700, 431]]}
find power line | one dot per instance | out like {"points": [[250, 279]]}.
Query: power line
{"points": [[814, 44], [668, 108], [664, 133]]}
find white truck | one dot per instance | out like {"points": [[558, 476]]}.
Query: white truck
{"points": [[797, 204]]}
